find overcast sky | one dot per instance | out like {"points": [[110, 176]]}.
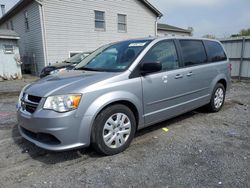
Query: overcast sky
{"points": [[217, 17]]}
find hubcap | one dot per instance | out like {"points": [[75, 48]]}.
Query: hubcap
{"points": [[218, 98], [116, 130]]}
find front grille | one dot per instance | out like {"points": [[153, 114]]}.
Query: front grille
{"points": [[30, 103], [34, 98]]}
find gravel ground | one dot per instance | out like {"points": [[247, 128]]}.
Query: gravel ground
{"points": [[13, 87], [199, 150]]}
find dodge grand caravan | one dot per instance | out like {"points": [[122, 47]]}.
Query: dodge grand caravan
{"points": [[120, 88]]}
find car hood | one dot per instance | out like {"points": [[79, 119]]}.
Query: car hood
{"points": [[71, 81]]}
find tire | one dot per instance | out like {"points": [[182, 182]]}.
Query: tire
{"points": [[110, 136], [217, 99]]}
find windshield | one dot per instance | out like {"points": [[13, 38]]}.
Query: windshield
{"points": [[76, 58], [114, 57]]}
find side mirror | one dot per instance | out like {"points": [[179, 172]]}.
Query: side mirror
{"points": [[151, 67]]}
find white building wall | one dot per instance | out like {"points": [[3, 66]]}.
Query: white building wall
{"points": [[70, 24], [31, 42]]}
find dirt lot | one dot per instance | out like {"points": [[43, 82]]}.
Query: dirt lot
{"points": [[199, 150]]}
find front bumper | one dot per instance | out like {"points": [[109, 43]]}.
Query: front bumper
{"points": [[55, 131]]}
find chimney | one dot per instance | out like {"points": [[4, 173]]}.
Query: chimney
{"points": [[3, 9]]}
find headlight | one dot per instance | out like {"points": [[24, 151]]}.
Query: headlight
{"points": [[21, 96], [57, 70], [62, 103]]}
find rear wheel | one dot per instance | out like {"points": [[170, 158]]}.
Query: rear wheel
{"points": [[113, 130], [217, 99]]}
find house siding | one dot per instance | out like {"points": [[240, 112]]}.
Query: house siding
{"points": [[162, 33], [70, 25], [31, 42]]}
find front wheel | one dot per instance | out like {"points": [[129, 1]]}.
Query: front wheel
{"points": [[113, 130], [217, 99]]}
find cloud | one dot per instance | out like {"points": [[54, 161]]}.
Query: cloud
{"points": [[168, 4], [218, 17]]}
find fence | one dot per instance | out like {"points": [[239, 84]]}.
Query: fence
{"points": [[238, 51]]}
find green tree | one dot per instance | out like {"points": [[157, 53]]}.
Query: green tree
{"points": [[245, 32]]}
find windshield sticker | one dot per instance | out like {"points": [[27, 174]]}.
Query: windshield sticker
{"points": [[121, 67], [138, 44]]}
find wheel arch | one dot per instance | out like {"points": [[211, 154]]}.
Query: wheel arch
{"points": [[221, 78], [128, 99], [223, 82]]}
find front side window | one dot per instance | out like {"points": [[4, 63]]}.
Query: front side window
{"points": [[193, 52], [8, 49], [122, 22], [215, 51], [99, 20], [115, 57], [26, 20], [165, 53]]}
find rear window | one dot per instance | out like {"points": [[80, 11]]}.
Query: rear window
{"points": [[215, 51], [193, 52]]}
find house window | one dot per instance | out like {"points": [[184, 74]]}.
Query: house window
{"points": [[26, 20], [7, 25], [122, 22], [11, 25], [8, 49], [99, 20]]}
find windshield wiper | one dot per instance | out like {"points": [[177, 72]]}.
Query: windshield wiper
{"points": [[88, 69], [66, 62]]}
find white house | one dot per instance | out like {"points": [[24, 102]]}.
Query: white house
{"points": [[52, 30]]}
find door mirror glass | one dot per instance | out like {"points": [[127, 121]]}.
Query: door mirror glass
{"points": [[151, 67]]}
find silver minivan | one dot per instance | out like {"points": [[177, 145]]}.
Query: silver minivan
{"points": [[120, 88]]}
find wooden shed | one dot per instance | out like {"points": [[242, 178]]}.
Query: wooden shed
{"points": [[10, 63]]}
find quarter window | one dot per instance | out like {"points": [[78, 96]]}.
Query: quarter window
{"points": [[215, 51], [165, 53], [193, 52], [99, 20], [122, 22]]}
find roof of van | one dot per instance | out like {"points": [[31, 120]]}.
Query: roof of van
{"points": [[170, 37]]}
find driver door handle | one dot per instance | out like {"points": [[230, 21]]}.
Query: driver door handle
{"points": [[178, 76], [190, 73]]}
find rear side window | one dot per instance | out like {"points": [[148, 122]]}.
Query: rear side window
{"points": [[215, 51], [193, 52]]}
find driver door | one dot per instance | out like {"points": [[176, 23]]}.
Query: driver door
{"points": [[162, 90]]}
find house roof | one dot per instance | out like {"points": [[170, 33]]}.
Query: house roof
{"points": [[152, 8], [166, 27], [23, 3], [15, 9], [8, 34]]}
